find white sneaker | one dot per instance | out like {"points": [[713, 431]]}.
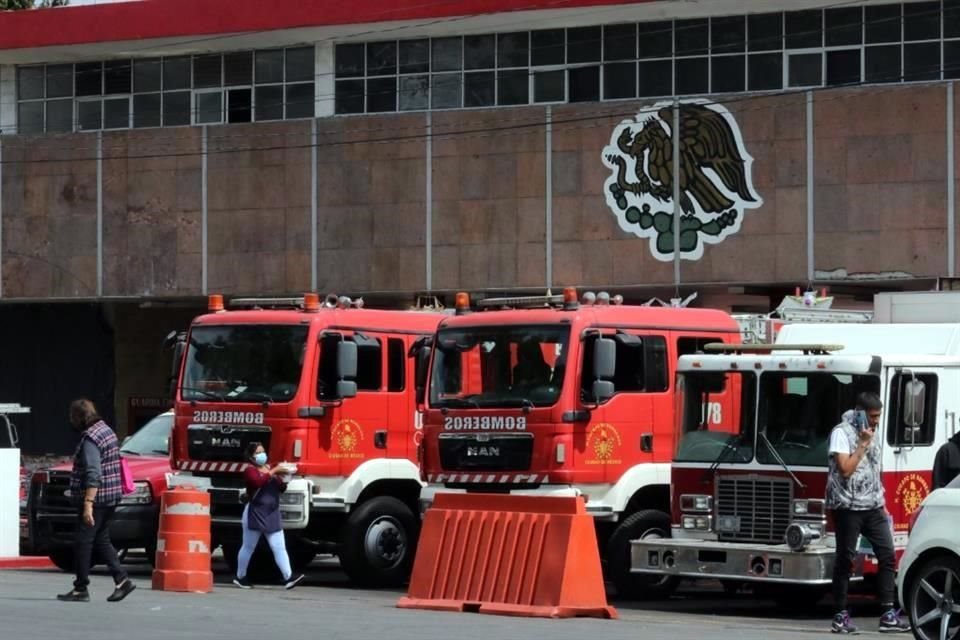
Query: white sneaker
{"points": [[293, 581]]}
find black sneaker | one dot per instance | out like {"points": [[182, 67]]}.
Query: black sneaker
{"points": [[243, 583], [75, 595], [891, 622], [121, 591], [841, 624], [293, 581]]}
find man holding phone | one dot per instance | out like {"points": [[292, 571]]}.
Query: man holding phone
{"points": [[856, 501]]}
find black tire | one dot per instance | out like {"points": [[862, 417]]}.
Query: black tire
{"points": [[795, 597], [925, 594], [649, 523], [378, 542]]}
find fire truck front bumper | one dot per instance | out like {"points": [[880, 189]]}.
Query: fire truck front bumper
{"points": [[736, 561]]}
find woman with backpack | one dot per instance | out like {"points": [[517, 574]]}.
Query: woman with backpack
{"points": [[261, 516]]}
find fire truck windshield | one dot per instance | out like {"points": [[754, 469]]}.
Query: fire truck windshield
{"points": [[717, 417], [244, 363], [506, 366], [797, 411]]}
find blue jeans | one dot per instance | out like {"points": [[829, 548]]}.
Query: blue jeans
{"points": [[250, 539]]}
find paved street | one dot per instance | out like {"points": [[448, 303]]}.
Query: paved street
{"points": [[325, 607]]}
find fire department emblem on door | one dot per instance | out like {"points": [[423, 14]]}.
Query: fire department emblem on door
{"points": [[603, 442], [911, 490], [716, 183], [346, 437]]}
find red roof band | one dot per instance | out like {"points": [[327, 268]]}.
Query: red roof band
{"points": [[148, 19]]}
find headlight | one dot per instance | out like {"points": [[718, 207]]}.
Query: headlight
{"points": [[808, 508], [141, 494], [697, 503], [291, 498], [697, 523]]}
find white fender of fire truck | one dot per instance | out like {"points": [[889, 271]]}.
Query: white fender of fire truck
{"points": [[346, 491], [615, 500]]}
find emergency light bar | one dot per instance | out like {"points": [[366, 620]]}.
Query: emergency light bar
{"points": [[816, 349], [521, 301]]}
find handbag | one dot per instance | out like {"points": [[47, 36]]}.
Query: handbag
{"points": [[126, 477]]}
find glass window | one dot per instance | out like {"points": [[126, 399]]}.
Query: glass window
{"points": [[692, 37], [349, 96], [381, 94], [619, 80], [414, 92], [239, 105], [268, 65], [883, 23], [765, 72], [921, 61], [349, 63], [656, 39], [447, 54], [415, 56], [882, 64], [513, 87], [547, 47], [176, 108], [727, 74], [583, 44], [479, 89], [206, 71], [89, 79], [844, 26], [921, 21], [298, 64], [656, 78], [805, 70], [951, 18], [446, 91], [147, 75], [512, 49], [396, 365], [728, 34], [30, 117], [176, 73], [59, 116], [152, 439], [620, 42], [269, 103], [899, 432], [689, 346], [117, 75], [765, 31], [381, 58], [584, 84], [89, 115], [116, 113], [369, 365], [238, 68], [951, 59], [29, 82], [209, 107], [301, 100], [804, 29], [641, 365], [480, 52], [843, 67], [692, 76], [146, 110], [549, 86], [59, 80], [717, 427]]}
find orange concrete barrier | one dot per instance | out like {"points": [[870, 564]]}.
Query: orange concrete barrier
{"points": [[183, 542], [508, 555]]}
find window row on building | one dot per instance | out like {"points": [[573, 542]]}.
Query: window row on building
{"points": [[759, 52], [243, 86]]}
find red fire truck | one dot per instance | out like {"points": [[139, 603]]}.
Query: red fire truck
{"points": [[550, 395], [748, 489], [327, 387]]}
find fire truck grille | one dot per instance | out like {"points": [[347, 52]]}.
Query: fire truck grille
{"points": [[753, 509]]}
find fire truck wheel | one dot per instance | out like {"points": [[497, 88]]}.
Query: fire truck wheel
{"points": [[649, 523], [378, 541]]}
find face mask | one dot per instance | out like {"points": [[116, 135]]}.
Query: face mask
{"points": [[260, 459]]}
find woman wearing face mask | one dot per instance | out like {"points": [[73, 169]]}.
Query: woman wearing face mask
{"points": [[261, 516]]}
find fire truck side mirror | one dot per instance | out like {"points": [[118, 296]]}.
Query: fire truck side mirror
{"points": [[346, 369], [914, 400], [604, 358], [422, 365]]}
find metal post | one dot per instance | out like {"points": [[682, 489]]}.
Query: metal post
{"points": [[428, 231], [313, 204], [99, 213], [203, 210], [810, 208], [951, 186], [675, 133], [1, 216], [548, 239]]}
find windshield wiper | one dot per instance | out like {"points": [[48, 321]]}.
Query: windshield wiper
{"points": [[776, 455], [732, 444], [468, 401], [246, 392], [206, 393], [130, 452]]}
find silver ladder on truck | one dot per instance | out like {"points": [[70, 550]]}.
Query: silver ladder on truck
{"points": [[9, 438]]}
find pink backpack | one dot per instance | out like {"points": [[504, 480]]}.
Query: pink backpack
{"points": [[126, 477]]}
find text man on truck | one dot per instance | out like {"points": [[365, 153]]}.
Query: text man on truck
{"points": [[327, 387]]}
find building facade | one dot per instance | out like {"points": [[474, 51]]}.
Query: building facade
{"points": [[157, 151]]}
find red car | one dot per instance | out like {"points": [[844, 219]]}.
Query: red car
{"points": [[53, 515]]}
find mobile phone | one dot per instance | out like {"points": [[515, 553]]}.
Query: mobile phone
{"points": [[860, 420]]}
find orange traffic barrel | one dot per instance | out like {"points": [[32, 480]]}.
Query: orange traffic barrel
{"points": [[183, 542], [508, 555]]}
